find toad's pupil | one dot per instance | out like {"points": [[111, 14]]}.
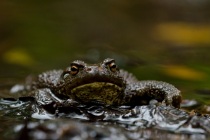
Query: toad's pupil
{"points": [[74, 69], [113, 66]]}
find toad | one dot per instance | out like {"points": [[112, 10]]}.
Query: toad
{"points": [[102, 83]]}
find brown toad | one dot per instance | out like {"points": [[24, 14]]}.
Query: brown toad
{"points": [[102, 83]]}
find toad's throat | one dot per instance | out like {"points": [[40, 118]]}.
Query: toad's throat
{"points": [[104, 92]]}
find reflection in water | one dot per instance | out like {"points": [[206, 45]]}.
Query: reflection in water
{"points": [[130, 122]]}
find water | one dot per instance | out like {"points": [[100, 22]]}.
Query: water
{"points": [[26, 117]]}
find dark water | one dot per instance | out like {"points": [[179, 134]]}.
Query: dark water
{"points": [[158, 40], [27, 120]]}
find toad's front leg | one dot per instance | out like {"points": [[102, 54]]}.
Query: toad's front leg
{"points": [[47, 100], [143, 92]]}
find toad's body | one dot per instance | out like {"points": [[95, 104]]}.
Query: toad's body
{"points": [[101, 83]]}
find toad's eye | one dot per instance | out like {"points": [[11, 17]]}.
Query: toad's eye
{"points": [[113, 67], [74, 70]]}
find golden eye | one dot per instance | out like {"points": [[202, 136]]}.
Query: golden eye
{"points": [[74, 70], [113, 67]]}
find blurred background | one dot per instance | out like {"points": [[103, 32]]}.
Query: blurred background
{"points": [[161, 40]]}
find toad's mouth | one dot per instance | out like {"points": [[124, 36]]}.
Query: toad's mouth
{"points": [[103, 92]]}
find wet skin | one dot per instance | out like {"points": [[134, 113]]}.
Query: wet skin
{"points": [[102, 83]]}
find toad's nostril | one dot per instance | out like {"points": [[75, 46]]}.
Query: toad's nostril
{"points": [[88, 69]]}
